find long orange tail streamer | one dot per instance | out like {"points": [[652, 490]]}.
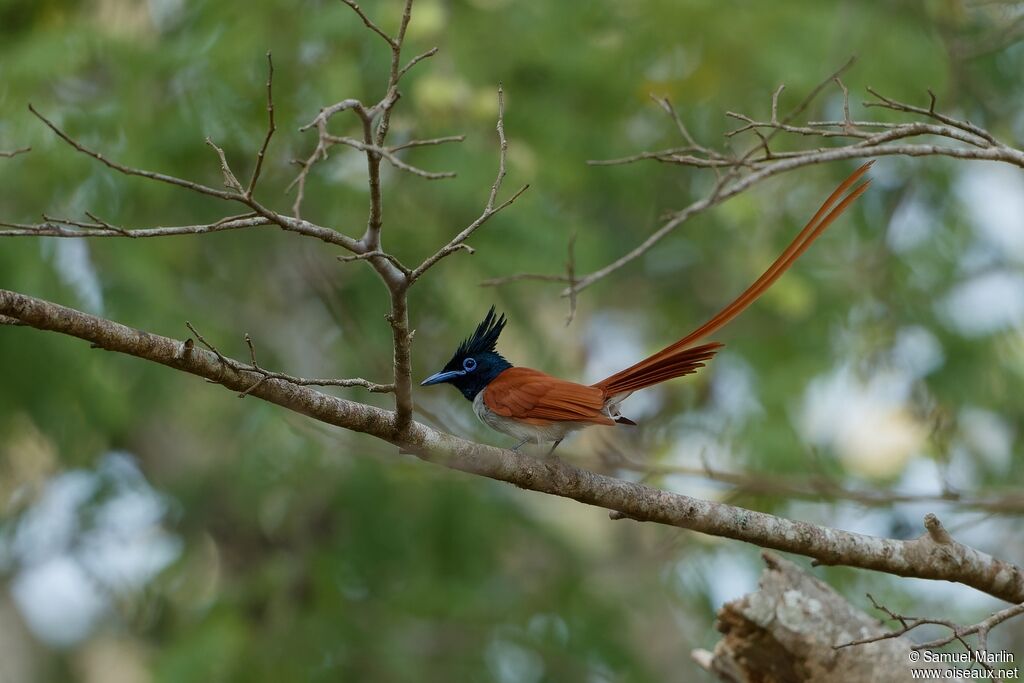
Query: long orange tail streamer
{"points": [[676, 359]]}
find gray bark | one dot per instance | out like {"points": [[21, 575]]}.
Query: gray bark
{"points": [[787, 631]]}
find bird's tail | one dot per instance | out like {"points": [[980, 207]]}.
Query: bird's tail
{"points": [[681, 358]]}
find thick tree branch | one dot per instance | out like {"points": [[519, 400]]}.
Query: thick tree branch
{"points": [[787, 630], [932, 556]]}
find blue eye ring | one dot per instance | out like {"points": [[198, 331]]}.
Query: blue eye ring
{"points": [[469, 365]]}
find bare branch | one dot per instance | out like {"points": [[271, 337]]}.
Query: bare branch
{"points": [[775, 102], [660, 155], [416, 60], [64, 228], [922, 557], [570, 272], [489, 209], [425, 143], [760, 162], [503, 150], [327, 113], [957, 632], [387, 154], [289, 223], [320, 151], [229, 177], [7, 154], [684, 132], [369, 24], [128, 170], [270, 128], [457, 242], [264, 375], [371, 255], [520, 277], [930, 112], [391, 96]]}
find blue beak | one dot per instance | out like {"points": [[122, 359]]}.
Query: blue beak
{"points": [[441, 377]]}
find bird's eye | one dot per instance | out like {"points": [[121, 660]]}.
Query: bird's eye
{"points": [[469, 365]]}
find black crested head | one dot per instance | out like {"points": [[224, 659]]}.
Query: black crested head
{"points": [[476, 362], [485, 338]]}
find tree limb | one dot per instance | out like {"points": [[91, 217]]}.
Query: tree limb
{"points": [[787, 629], [735, 174], [934, 555]]}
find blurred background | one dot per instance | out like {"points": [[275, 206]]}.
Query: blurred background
{"points": [[153, 527]]}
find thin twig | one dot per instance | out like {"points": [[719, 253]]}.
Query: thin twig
{"points": [[489, 209], [7, 154], [503, 145], [425, 143], [265, 375], [55, 228], [519, 277], [370, 255], [390, 156], [229, 176], [289, 223], [416, 60], [128, 170], [369, 23], [270, 128], [570, 273], [957, 632], [930, 112]]}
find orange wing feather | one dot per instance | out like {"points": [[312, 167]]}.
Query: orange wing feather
{"points": [[538, 398]]}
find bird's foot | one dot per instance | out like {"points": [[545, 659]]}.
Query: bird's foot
{"points": [[553, 447], [518, 445]]}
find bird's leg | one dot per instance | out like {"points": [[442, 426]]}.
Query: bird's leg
{"points": [[518, 445], [553, 447]]}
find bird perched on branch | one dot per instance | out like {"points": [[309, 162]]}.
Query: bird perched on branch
{"points": [[533, 406]]}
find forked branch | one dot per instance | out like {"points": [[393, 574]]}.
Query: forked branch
{"points": [[737, 173], [458, 242]]}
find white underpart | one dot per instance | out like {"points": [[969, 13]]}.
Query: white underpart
{"points": [[611, 405], [556, 431]]}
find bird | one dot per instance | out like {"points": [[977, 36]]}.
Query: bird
{"points": [[533, 406]]}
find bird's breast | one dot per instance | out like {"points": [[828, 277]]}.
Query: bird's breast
{"points": [[537, 431]]}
